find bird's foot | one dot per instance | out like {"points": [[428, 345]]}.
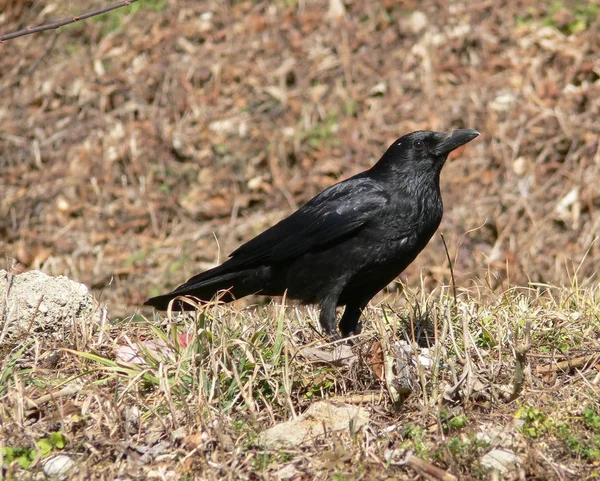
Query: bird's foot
{"points": [[333, 336], [351, 333]]}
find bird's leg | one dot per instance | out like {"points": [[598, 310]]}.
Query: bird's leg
{"points": [[327, 317], [350, 324]]}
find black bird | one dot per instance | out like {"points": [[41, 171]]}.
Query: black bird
{"points": [[347, 243]]}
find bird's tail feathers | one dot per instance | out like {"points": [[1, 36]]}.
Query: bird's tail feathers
{"points": [[230, 286]]}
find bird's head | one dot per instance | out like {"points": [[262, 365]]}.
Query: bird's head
{"points": [[423, 150]]}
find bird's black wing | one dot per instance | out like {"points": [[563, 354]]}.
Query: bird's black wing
{"points": [[328, 218], [331, 216]]}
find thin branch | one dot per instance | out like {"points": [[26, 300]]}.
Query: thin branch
{"points": [[521, 351], [50, 26], [451, 270], [428, 470], [32, 68], [569, 364]]}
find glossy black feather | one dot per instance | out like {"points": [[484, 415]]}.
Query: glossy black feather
{"points": [[345, 244]]}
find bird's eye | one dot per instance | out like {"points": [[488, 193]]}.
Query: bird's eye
{"points": [[419, 145]]}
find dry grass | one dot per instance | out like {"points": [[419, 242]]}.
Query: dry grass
{"points": [[194, 409], [127, 141]]}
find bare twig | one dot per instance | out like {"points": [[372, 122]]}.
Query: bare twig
{"points": [[451, 269], [453, 308], [521, 357], [569, 364], [429, 470], [32, 68], [50, 26], [468, 370], [35, 313]]}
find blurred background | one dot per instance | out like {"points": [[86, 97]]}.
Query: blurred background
{"points": [[140, 147]]}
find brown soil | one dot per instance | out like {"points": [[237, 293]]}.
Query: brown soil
{"points": [[138, 147]]}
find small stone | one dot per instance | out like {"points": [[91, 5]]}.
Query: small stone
{"points": [[379, 89], [287, 472], [255, 183], [224, 126], [336, 9], [395, 456], [502, 460], [520, 166], [503, 102], [178, 434], [414, 23], [318, 417], [62, 204], [57, 466]]}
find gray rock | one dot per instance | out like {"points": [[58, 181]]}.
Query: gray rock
{"points": [[319, 415], [57, 466], [38, 301], [289, 471], [414, 23], [506, 437], [502, 460]]}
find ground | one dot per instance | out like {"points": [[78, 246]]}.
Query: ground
{"points": [[142, 146]]}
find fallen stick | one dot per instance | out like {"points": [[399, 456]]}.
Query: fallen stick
{"points": [[569, 364], [68, 390], [428, 469]]}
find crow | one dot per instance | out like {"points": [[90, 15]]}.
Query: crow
{"points": [[344, 245]]}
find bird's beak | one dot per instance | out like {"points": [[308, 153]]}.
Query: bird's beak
{"points": [[454, 139]]}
